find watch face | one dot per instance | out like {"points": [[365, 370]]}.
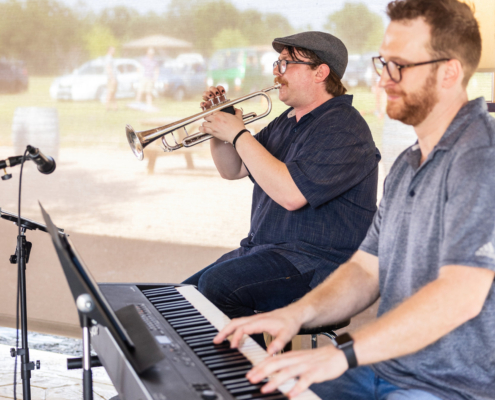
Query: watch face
{"points": [[344, 339]]}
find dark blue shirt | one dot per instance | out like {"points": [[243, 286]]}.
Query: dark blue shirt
{"points": [[333, 160]]}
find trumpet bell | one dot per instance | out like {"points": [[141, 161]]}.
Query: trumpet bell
{"points": [[136, 145], [139, 140]]}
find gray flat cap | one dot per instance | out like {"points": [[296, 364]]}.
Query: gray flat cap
{"points": [[329, 48]]}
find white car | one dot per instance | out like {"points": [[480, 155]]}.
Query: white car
{"points": [[89, 81]]}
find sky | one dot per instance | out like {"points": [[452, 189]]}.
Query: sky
{"points": [[312, 12]]}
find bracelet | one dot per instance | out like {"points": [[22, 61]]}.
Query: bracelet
{"points": [[237, 137]]}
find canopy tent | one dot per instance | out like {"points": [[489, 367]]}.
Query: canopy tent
{"points": [[158, 42], [163, 45]]}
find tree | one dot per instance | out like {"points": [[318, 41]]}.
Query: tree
{"points": [[45, 34], [98, 40], [228, 38], [357, 26]]}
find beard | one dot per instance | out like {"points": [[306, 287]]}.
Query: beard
{"points": [[417, 105]]}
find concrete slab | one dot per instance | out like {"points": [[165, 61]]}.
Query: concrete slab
{"points": [[53, 381]]}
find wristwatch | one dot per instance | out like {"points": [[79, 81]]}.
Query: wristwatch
{"points": [[345, 342]]}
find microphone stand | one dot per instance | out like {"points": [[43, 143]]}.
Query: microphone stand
{"points": [[21, 258]]}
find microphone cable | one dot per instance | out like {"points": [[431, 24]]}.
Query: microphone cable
{"points": [[19, 256]]}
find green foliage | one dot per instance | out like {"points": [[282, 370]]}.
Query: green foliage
{"points": [[53, 38], [357, 26], [199, 22], [98, 40], [43, 33], [228, 38], [118, 20]]}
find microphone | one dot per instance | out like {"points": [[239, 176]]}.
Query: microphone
{"points": [[46, 164]]}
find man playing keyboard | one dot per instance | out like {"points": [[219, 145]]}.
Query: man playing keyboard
{"points": [[429, 255]]}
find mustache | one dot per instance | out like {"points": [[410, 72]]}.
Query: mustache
{"points": [[394, 92], [281, 80]]}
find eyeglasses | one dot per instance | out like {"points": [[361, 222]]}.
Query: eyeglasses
{"points": [[395, 70], [282, 64]]}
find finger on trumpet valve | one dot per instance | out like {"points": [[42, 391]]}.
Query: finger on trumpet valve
{"points": [[205, 105], [214, 90]]}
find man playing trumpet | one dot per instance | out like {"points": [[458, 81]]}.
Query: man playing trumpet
{"points": [[314, 170]]}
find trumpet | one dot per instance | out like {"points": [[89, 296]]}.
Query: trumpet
{"points": [[139, 140]]}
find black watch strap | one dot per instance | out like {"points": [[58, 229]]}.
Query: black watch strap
{"points": [[345, 342], [237, 137]]}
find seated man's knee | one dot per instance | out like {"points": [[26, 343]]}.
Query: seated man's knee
{"points": [[214, 286]]}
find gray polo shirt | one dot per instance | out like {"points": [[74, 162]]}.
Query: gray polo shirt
{"points": [[435, 214]]}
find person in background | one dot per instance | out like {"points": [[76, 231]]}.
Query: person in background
{"points": [[150, 71], [112, 83]]}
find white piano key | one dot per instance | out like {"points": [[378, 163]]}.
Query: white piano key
{"points": [[251, 350]]}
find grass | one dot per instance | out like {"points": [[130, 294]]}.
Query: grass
{"points": [[89, 124]]}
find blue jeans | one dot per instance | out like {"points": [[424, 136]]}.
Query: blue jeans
{"points": [[241, 286], [363, 384]]}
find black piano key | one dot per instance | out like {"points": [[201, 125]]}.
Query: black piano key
{"points": [[183, 313], [175, 306], [195, 331], [173, 321], [228, 363], [217, 358], [201, 338], [198, 338], [214, 346], [237, 380], [214, 351], [232, 369], [199, 321], [163, 290], [233, 374], [262, 396], [202, 343], [245, 389], [244, 382]]}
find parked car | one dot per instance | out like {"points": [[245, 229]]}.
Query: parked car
{"points": [[89, 81], [13, 77], [182, 77], [359, 71], [242, 70]]}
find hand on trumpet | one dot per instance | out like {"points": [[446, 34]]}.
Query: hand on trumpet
{"points": [[221, 125]]}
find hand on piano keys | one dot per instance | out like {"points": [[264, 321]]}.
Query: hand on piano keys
{"points": [[284, 368], [281, 324]]}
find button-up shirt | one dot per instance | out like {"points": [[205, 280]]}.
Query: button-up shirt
{"points": [[437, 213], [333, 160]]}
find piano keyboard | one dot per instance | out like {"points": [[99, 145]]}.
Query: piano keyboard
{"points": [[198, 321], [184, 323]]}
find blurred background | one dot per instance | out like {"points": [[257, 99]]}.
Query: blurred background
{"points": [[164, 218]]}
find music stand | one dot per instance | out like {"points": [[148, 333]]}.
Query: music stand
{"points": [[21, 257], [125, 325]]}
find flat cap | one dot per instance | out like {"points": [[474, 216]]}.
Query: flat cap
{"points": [[329, 48]]}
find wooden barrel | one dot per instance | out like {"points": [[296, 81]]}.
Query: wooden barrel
{"points": [[37, 126]]}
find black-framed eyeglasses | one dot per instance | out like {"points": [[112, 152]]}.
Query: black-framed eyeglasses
{"points": [[282, 64], [395, 70]]}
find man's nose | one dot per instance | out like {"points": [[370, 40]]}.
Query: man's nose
{"points": [[276, 71], [385, 79]]}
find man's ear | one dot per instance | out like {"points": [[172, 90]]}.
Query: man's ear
{"points": [[322, 72], [453, 73]]}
